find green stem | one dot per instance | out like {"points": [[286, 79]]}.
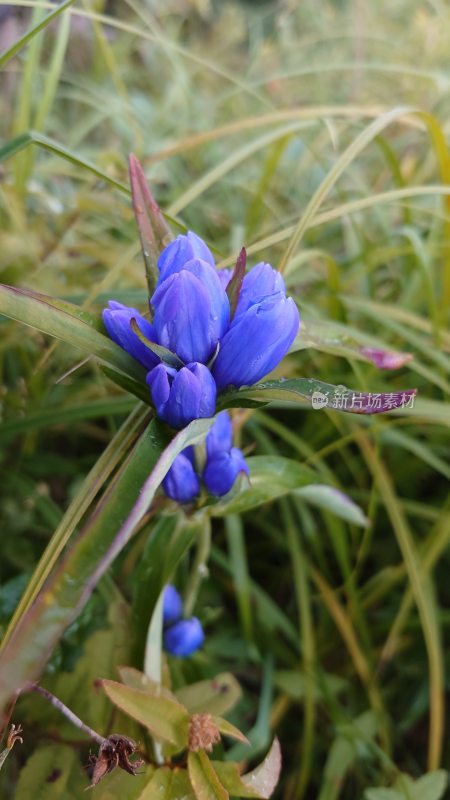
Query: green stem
{"points": [[200, 567]]}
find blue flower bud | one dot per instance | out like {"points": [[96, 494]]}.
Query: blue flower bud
{"points": [[183, 315], [222, 470], [179, 301], [184, 638], [181, 482], [256, 341], [117, 319], [260, 282], [172, 605], [180, 397], [181, 250], [220, 436]]}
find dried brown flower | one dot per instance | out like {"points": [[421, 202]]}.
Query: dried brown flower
{"points": [[115, 752], [203, 732]]}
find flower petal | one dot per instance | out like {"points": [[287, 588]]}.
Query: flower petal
{"points": [[172, 605], [182, 317], [117, 319], [222, 470], [181, 483], [182, 249], [260, 282], [220, 437]]}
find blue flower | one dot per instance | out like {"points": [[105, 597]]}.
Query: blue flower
{"points": [[117, 319], [256, 341], [222, 469], [179, 397], [223, 465], [192, 319], [172, 605], [181, 482], [184, 637]]}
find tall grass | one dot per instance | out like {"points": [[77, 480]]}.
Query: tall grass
{"points": [[316, 134]]}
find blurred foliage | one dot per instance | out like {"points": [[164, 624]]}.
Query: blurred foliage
{"points": [[337, 633]]}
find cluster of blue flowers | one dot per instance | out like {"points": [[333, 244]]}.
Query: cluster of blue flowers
{"points": [[222, 465], [182, 637], [214, 348]]}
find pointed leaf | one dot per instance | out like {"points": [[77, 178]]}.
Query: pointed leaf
{"points": [[270, 477], [227, 729], [166, 719], [162, 352], [331, 499], [204, 778], [216, 696], [154, 232], [264, 778], [167, 784], [231, 778], [234, 286]]}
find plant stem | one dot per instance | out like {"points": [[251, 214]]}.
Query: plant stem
{"points": [[34, 687], [200, 567]]}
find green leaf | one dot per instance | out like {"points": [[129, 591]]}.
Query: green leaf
{"points": [[270, 477], [228, 729], [71, 324], [317, 395], [429, 787], [165, 718], [204, 779], [51, 773], [153, 229], [162, 352], [24, 140], [330, 499], [230, 777], [120, 510], [28, 35], [167, 784], [264, 779], [216, 696], [119, 785]]}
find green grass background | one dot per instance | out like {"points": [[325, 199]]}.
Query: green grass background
{"points": [[240, 112]]}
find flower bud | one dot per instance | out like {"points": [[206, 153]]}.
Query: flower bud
{"points": [[117, 320], [182, 249], [222, 470], [260, 282], [181, 483], [184, 638], [180, 397], [172, 605], [256, 341]]}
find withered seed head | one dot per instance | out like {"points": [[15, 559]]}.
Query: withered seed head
{"points": [[203, 732], [115, 752]]}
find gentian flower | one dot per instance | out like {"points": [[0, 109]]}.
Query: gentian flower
{"points": [[172, 605], [184, 637], [179, 397], [181, 636], [222, 470], [181, 482], [191, 318], [223, 465]]}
